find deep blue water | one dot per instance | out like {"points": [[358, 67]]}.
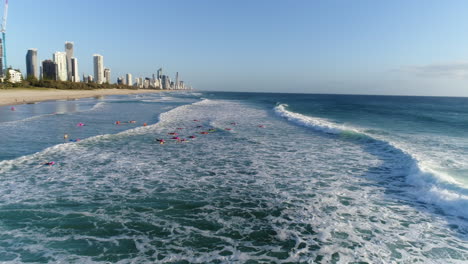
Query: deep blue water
{"points": [[278, 178]]}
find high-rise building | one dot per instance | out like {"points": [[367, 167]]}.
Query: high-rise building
{"points": [[146, 83], [129, 79], [98, 68], [60, 58], [176, 81], [159, 73], [49, 70], [75, 76], [165, 82], [107, 75], [69, 52], [31, 63]]}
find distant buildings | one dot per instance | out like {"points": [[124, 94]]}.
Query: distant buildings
{"points": [[165, 82], [64, 67], [31, 64], [138, 82], [49, 70], [88, 79], [107, 75], [75, 76], [128, 79], [159, 73], [69, 54], [60, 58], [98, 68], [15, 76]]}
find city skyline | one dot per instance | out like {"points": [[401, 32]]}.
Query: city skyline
{"points": [[365, 47], [60, 68]]}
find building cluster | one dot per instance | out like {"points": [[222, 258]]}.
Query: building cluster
{"points": [[64, 67], [157, 81]]}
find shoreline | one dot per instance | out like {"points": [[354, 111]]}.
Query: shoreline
{"points": [[24, 96]]}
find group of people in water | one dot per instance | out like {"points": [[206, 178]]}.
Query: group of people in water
{"points": [[175, 135]]}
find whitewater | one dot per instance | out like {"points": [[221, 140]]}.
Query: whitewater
{"points": [[277, 178]]}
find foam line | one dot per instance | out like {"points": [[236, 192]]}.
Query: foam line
{"points": [[431, 186]]}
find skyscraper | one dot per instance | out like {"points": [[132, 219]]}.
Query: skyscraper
{"points": [[31, 63], [107, 75], [129, 79], [159, 73], [49, 70], [60, 58], [176, 81], [75, 77], [98, 68], [165, 82], [69, 52]]}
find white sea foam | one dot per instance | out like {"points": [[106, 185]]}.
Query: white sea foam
{"points": [[273, 194], [433, 187]]}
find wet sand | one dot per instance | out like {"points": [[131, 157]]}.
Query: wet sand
{"points": [[24, 96]]}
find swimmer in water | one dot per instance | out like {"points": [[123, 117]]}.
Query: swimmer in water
{"points": [[144, 124], [50, 163], [65, 136], [132, 122], [161, 141]]}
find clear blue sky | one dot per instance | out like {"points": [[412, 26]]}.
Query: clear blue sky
{"points": [[315, 46]]}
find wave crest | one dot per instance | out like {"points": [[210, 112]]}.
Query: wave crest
{"points": [[431, 187]]}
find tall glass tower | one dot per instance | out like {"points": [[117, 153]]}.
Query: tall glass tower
{"points": [[69, 52], [31, 63]]}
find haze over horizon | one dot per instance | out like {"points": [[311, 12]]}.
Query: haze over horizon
{"points": [[326, 46]]}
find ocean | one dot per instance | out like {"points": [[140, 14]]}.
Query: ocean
{"points": [[276, 178]]}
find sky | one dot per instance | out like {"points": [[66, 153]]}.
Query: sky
{"points": [[396, 47]]}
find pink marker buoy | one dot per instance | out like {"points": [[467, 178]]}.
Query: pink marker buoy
{"points": [[13, 108]]}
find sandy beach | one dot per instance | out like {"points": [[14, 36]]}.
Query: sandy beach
{"points": [[23, 96]]}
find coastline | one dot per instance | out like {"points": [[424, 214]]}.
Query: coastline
{"points": [[24, 96]]}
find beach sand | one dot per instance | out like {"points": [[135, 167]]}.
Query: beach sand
{"points": [[23, 96]]}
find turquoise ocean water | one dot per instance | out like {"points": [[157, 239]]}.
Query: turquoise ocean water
{"points": [[278, 178]]}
